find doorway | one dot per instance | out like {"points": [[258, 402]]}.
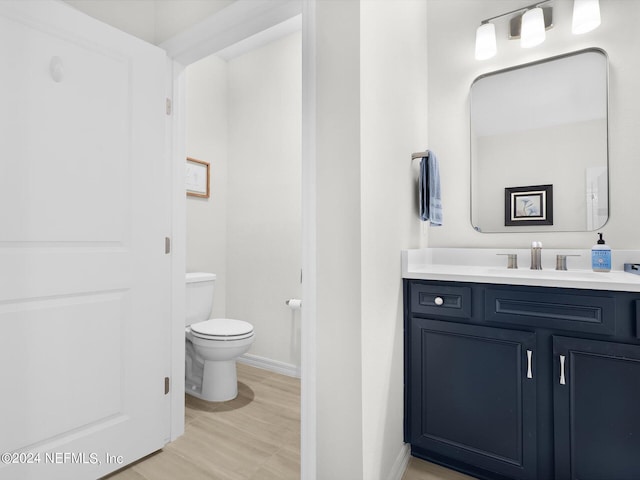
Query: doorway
{"points": [[241, 20], [243, 118]]}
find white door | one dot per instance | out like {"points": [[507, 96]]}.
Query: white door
{"points": [[84, 278]]}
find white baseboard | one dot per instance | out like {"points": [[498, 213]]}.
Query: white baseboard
{"points": [[400, 465], [270, 365]]}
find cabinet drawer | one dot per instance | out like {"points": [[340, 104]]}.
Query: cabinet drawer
{"points": [[542, 308], [440, 300]]}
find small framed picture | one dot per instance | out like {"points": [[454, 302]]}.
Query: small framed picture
{"points": [[528, 205], [197, 178]]}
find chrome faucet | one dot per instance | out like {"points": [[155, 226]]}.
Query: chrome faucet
{"points": [[536, 255]]}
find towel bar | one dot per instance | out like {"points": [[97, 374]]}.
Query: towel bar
{"points": [[419, 155]]}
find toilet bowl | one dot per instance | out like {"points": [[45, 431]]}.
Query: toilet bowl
{"points": [[212, 345]]}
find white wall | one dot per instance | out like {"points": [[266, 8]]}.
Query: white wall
{"points": [[452, 69], [371, 115], [338, 242], [207, 133], [393, 125], [264, 193]]}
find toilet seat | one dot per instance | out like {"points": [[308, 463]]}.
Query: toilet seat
{"points": [[222, 329]]}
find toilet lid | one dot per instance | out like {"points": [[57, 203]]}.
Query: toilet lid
{"points": [[222, 329]]}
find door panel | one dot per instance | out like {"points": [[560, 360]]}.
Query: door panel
{"points": [[42, 336], [472, 399], [596, 419], [84, 309], [66, 173]]}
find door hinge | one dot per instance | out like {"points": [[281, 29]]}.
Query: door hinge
{"points": [[169, 106], [167, 245], [166, 385]]}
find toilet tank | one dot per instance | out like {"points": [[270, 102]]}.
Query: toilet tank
{"points": [[199, 302]]}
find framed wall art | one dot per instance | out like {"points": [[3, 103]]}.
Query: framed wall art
{"points": [[532, 205], [197, 178]]}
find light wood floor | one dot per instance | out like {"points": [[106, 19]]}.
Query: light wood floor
{"points": [[421, 470], [253, 437], [256, 436]]}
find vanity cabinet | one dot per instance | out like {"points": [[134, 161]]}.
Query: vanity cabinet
{"points": [[520, 382]]}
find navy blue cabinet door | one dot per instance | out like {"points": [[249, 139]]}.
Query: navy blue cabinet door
{"points": [[473, 396], [596, 409]]}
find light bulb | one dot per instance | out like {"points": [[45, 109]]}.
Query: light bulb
{"points": [[586, 16], [532, 31], [485, 41]]}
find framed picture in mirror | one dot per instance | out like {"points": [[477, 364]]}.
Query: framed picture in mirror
{"points": [[531, 205]]}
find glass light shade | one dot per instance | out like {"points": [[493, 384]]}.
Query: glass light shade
{"points": [[532, 30], [586, 16], [485, 41]]}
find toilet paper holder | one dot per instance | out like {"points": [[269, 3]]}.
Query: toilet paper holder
{"points": [[294, 303]]}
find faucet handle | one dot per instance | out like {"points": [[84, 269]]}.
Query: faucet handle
{"points": [[512, 259], [561, 261]]}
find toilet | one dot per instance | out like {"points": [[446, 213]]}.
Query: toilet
{"points": [[212, 344]]}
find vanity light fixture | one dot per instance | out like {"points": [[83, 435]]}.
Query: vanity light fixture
{"points": [[586, 16], [486, 41], [531, 23], [532, 31]]}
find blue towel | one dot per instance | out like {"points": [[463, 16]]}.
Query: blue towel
{"points": [[429, 188]]}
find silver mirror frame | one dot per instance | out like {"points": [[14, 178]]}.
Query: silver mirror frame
{"points": [[474, 194]]}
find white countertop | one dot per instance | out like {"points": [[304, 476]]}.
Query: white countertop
{"points": [[483, 265]]}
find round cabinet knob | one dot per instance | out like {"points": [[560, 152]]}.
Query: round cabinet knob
{"points": [[438, 301]]}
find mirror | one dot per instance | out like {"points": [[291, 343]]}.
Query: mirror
{"points": [[539, 151]]}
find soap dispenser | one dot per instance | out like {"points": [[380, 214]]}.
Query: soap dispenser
{"points": [[601, 256]]}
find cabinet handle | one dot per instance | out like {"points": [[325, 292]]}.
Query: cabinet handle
{"points": [[562, 379], [438, 301], [529, 356]]}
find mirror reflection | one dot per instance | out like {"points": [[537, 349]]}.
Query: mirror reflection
{"points": [[539, 150]]}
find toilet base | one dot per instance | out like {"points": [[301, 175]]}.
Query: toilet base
{"points": [[220, 382]]}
